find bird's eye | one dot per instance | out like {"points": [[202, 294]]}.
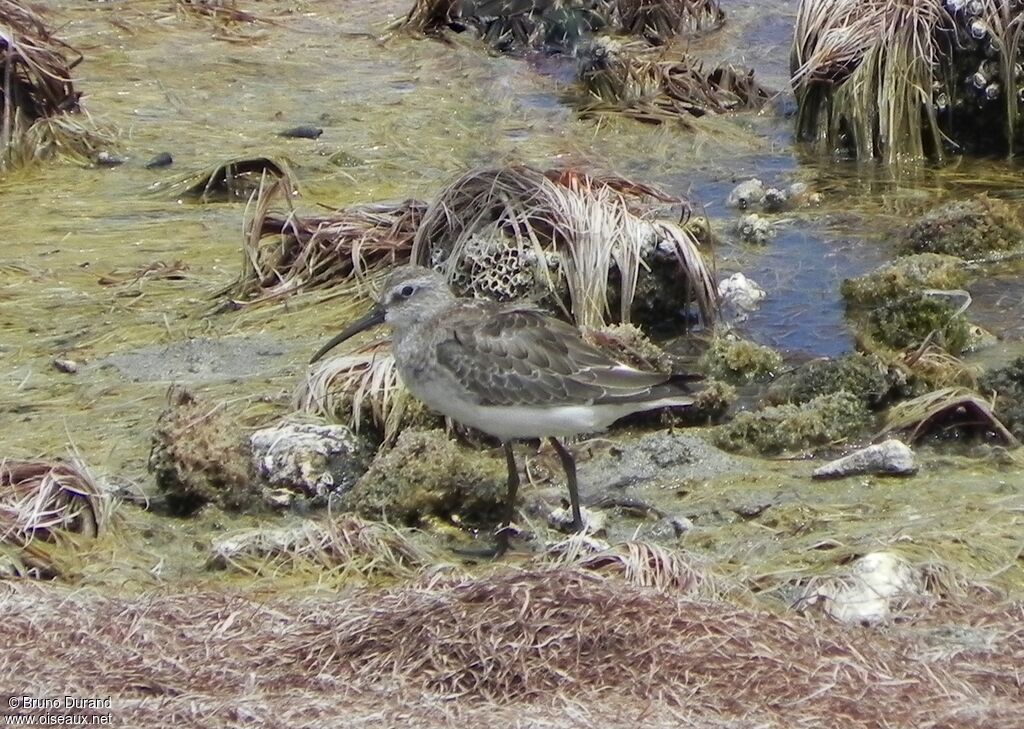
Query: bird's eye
{"points": [[406, 291]]}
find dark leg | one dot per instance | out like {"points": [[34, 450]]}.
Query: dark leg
{"points": [[569, 464], [510, 499]]}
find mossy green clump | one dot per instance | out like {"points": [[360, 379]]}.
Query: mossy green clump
{"points": [[199, 456], [823, 421], [908, 320], [1007, 384], [968, 229], [427, 475], [905, 275], [628, 344], [865, 375], [739, 361], [710, 404]]}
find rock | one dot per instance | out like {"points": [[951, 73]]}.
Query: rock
{"points": [[109, 159], [309, 459], [867, 376], [867, 594], [739, 295], [304, 131], [427, 475], [163, 159], [67, 366], [752, 228], [891, 458], [969, 228], [775, 200], [653, 457], [746, 195]]}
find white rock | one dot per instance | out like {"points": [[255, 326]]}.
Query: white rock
{"points": [[746, 194], [867, 595], [740, 293], [310, 459], [891, 458]]}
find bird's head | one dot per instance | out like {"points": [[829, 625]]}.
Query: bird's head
{"points": [[411, 294]]}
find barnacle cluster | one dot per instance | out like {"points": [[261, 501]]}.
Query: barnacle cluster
{"points": [[492, 267]]}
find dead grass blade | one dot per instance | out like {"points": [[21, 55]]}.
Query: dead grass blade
{"points": [[231, 180]]}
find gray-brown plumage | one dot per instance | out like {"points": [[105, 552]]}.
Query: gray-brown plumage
{"points": [[509, 371]]}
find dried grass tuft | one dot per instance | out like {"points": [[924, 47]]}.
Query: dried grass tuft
{"points": [[354, 385], [235, 179], [45, 503], [657, 89], [342, 547], [571, 227], [41, 114], [284, 253]]}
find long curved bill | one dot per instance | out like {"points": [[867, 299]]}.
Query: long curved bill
{"points": [[372, 319]]}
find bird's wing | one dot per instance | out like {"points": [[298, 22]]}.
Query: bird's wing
{"points": [[523, 357]]}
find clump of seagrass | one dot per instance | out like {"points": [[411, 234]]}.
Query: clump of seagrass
{"points": [[343, 546], [557, 25], [905, 80], [950, 413], [579, 243], [655, 88], [199, 456], [284, 253], [235, 179], [41, 113], [44, 501]]}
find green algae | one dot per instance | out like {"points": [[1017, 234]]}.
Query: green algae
{"points": [[909, 320], [739, 361], [867, 376], [905, 275], [823, 421], [965, 228]]}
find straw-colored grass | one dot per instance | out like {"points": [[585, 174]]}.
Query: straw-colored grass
{"points": [[41, 114], [566, 229], [548, 647], [239, 178]]}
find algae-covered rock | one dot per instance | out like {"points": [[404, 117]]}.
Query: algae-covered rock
{"points": [[1007, 384], [199, 457], [905, 275], [739, 361], [428, 475], [864, 375], [779, 429], [968, 229], [908, 320]]}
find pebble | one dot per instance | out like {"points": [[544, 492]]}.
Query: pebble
{"points": [[109, 159], [163, 159], [747, 194], [891, 458], [866, 595], [305, 131], [752, 228], [740, 293], [67, 366]]}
